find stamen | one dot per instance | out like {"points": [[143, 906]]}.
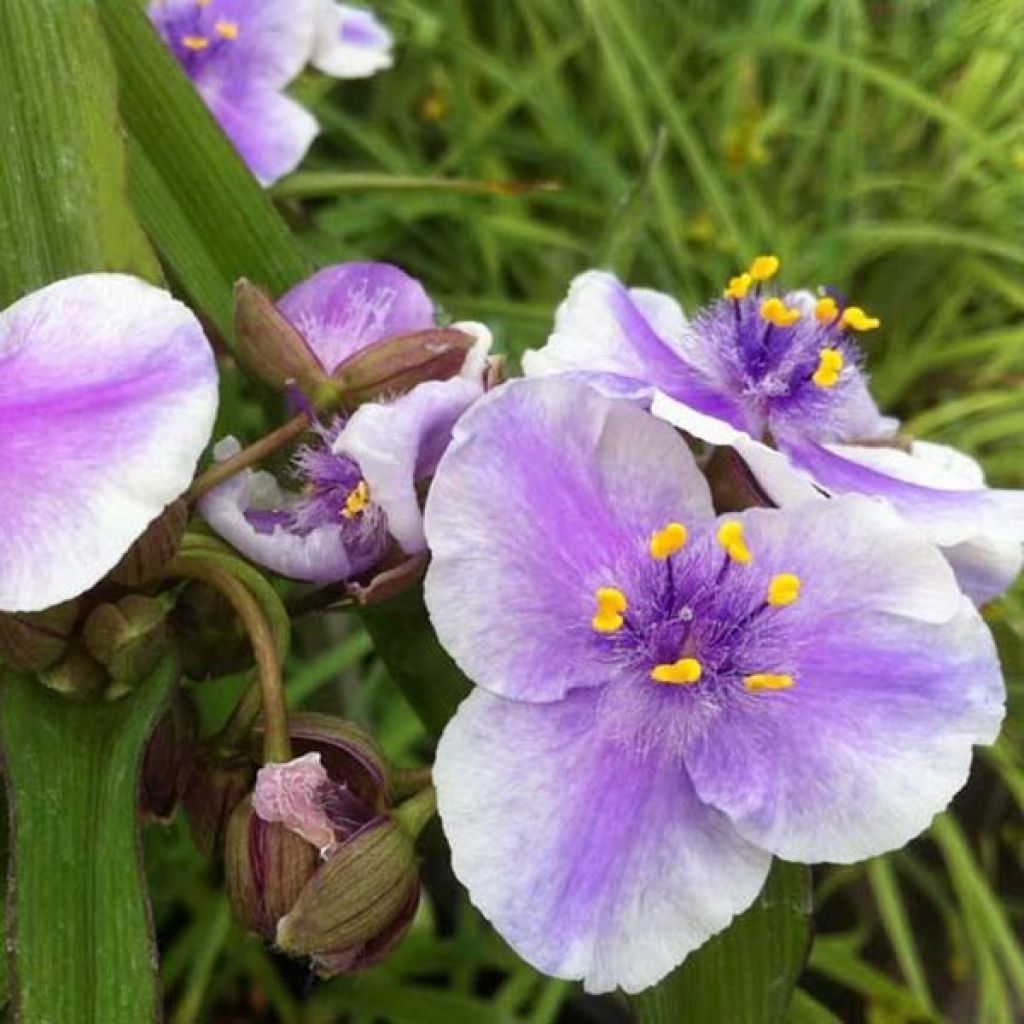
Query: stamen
{"points": [[203, 3], [356, 502], [611, 603], [777, 313], [738, 286], [730, 536], [667, 541], [825, 310], [830, 365], [195, 43], [761, 681], [855, 318], [783, 589], [227, 29], [764, 268], [683, 672]]}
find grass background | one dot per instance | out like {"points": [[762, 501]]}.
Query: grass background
{"points": [[878, 147]]}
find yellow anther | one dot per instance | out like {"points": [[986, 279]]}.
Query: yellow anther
{"points": [[357, 500], [738, 286], [825, 310], [666, 542], [783, 589], [830, 365], [855, 318], [611, 603], [682, 672], [730, 536], [764, 268], [203, 3], [195, 43], [227, 29], [776, 312], [761, 681]]}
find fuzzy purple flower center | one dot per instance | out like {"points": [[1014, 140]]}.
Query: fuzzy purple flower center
{"points": [[196, 35]]}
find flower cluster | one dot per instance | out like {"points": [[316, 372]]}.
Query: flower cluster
{"points": [[241, 54]]}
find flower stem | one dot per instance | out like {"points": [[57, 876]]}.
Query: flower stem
{"points": [[415, 813], [255, 453], [276, 743]]}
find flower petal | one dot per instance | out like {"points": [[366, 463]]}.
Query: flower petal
{"points": [[108, 392], [546, 484], [591, 861], [351, 42], [271, 132], [345, 308], [319, 556], [896, 677]]}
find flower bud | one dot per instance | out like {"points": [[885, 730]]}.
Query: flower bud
{"points": [[212, 788], [148, 556], [733, 486], [127, 637], [77, 674], [167, 760], [266, 868], [397, 365], [270, 346], [389, 583], [36, 640]]}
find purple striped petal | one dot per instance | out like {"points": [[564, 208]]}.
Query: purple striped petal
{"points": [[593, 861], [108, 391]]}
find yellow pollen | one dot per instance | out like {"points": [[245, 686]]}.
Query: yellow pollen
{"points": [[227, 29], [203, 3], [195, 43], [784, 589], [777, 313], [356, 502], [684, 672], [764, 268], [667, 541], [738, 286], [762, 681], [730, 536], [611, 603], [825, 310], [855, 318], [830, 366]]}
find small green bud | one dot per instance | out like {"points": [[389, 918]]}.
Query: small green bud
{"points": [[37, 640], [127, 637], [77, 675]]}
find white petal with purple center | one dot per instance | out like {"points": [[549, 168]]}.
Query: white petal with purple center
{"points": [[351, 42]]}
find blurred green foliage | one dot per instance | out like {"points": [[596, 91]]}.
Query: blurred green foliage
{"points": [[876, 146]]}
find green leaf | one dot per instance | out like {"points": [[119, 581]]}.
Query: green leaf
{"points": [[82, 948], [746, 974], [209, 219], [421, 668], [63, 204]]}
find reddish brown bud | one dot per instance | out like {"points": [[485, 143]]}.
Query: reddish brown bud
{"points": [[212, 789], [37, 640], [149, 555], [167, 760]]}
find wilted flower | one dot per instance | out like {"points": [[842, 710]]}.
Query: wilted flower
{"points": [[108, 391], [358, 478], [668, 699], [758, 365], [240, 54], [315, 861]]}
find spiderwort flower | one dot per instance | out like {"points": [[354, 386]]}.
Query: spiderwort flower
{"points": [[358, 479], [108, 391], [759, 365], [666, 699], [240, 54]]}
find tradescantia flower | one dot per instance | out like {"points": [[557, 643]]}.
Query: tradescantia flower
{"points": [[240, 54], [666, 699], [758, 365], [108, 391], [358, 478]]}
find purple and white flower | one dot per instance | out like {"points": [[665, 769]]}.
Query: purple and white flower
{"points": [[358, 480], [758, 366], [241, 54], [667, 699], [108, 391]]}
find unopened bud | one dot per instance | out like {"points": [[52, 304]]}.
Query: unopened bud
{"points": [[77, 674], [357, 894], [266, 866], [389, 583], [36, 640], [149, 555], [269, 346], [733, 486], [213, 788], [395, 366], [167, 760], [128, 637]]}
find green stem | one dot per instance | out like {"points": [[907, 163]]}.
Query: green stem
{"points": [[414, 814], [276, 742], [310, 184]]}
